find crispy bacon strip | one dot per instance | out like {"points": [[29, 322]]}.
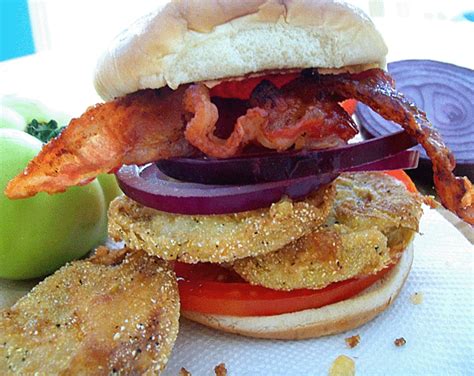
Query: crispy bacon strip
{"points": [[376, 89], [138, 128], [299, 116], [201, 128], [277, 120]]}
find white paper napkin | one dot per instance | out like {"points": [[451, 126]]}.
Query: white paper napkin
{"points": [[439, 332]]}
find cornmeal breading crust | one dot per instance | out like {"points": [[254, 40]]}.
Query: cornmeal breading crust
{"points": [[114, 312], [217, 238], [373, 219]]}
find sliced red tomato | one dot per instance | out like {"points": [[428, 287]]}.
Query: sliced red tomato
{"points": [[349, 105], [212, 289], [242, 89]]}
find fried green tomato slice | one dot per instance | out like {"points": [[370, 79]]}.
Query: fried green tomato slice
{"points": [[374, 218], [217, 238], [116, 312]]}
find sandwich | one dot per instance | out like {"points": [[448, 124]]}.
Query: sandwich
{"points": [[226, 126]]}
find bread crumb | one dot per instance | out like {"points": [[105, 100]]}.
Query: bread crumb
{"points": [[220, 370], [184, 372], [342, 366], [353, 341], [430, 201], [417, 298], [400, 342]]}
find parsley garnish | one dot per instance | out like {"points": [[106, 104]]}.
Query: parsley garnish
{"points": [[42, 130]]}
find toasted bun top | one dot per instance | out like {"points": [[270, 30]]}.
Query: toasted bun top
{"points": [[202, 40]]}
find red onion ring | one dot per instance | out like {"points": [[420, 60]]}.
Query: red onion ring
{"points": [[404, 160], [151, 187], [273, 166]]}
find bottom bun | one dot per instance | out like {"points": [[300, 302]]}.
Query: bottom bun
{"points": [[331, 319]]}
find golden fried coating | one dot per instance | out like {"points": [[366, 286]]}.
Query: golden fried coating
{"points": [[217, 238], [373, 219], [374, 199], [114, 312]]}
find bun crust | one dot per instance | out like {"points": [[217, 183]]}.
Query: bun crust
{"points": [[311, 323], [204, 40]]}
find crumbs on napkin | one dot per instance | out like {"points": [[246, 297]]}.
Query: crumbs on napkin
{"points": [[400, 342], [417, 298], [353, 341], [184, 372], [342, 366], [220, 370], [430, 201]]}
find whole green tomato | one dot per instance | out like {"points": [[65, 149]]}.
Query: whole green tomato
{"points": [[31, 109], [41, 233], [109, 186], [18, 111], [11, 119]]}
